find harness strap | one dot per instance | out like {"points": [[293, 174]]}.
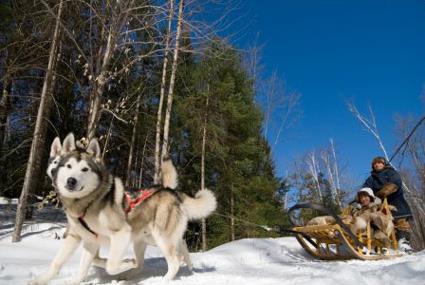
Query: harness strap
{"points": [[142, 196], [81, 218], [86, 226], [132, 203]]}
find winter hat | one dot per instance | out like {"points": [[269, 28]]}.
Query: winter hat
{"points": [[379, 159], [368, 191]]}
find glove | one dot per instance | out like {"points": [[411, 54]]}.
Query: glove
{"points": [[387, 190]]}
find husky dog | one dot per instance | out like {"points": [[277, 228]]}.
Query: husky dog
{"points": [[55, 156], [57, 152], [98, 212]]}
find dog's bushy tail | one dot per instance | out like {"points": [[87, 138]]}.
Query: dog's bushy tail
{"points": [[168, 174], [201, 206]]}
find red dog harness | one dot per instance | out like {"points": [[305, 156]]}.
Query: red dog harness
{"points": [[142, 196]]}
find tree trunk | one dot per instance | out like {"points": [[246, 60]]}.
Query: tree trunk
{"points": [[312, 164], [328, 165], [142, 161], [232, 215], [100, 83], [39, 130], [162, 92], [133, 139], [4, 115], [337, 174], [134, 181], [115, 19], [4, 112], [164, 151], [108, 137], [204, 137]]}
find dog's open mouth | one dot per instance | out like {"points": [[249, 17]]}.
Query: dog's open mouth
{"points": [[74, 189]]}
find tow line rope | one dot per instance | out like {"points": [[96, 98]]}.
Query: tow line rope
{"points": [[264, 227]]}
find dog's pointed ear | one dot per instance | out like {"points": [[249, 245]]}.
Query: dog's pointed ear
{"points": [[94, 149], [56, 147], [68, 144]]}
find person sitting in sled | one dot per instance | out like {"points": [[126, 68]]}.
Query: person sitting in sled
{"points": [[367, 209], [386, 182]]}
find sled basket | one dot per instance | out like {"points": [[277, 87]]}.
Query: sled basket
{"points": [[337, 242]]}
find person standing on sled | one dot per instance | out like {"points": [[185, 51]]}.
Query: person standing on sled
{"points": [[385, 181]]}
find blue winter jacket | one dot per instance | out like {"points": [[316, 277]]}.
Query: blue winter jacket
{"points": [[389, 175]]}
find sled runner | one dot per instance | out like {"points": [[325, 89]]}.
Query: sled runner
{"points": [[337, 241]]}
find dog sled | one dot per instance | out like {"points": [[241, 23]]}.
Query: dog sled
{"points": [[336, 241]]}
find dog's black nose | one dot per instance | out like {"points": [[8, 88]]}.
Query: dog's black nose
{"points": [[71, 183]]}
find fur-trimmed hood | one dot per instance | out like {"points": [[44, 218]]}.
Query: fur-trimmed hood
{"points": [[374, 201]]}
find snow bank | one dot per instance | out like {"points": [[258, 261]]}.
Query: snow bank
{"points": [[248, 261]]}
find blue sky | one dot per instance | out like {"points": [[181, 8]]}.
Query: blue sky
{"points": [[370, 52]]}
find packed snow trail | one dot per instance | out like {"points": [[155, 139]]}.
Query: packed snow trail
{"points": [[247, 261]]}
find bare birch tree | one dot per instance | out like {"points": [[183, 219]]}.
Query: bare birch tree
{"points": [[165, 138], [105, 53], [319, 178], [4, 111], [142, 161], [40, 128], [335, 165], [330, 163], [162, 91], [279, 106], [109, 30], [232, 214], [313, 168], [133, 140], [204, 139], [253, 63], [369, 124]]}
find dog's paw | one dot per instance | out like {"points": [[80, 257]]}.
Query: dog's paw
{"points": [[169, 276], [39, 280], [125, 265], [129, 264], [186, 263], [74, 280], [132, 274]]}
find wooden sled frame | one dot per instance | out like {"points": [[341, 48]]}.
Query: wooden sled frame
{"points": [[337, 242]]}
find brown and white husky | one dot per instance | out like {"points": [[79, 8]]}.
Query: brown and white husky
{"points": [[98, 212]]}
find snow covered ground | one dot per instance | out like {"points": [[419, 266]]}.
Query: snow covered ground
{"points": [[248, 261], [245, 262]]}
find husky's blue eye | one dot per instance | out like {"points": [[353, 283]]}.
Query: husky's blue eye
{"points": [[85, 169]]}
